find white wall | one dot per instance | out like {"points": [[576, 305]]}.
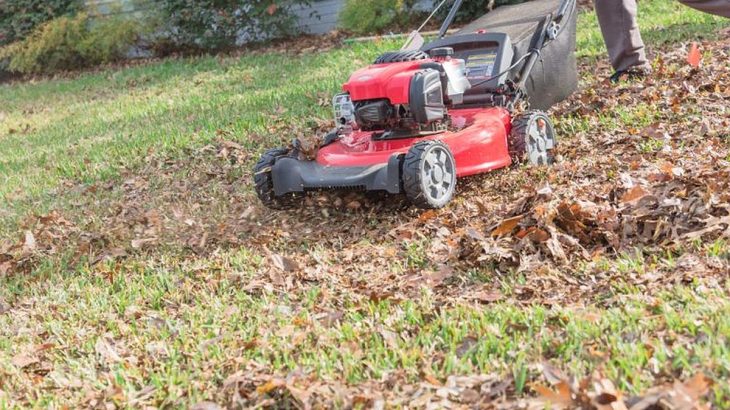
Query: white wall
{"points": [[328, 12], [320, 18]]}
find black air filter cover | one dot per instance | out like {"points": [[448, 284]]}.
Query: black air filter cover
{"points": [[373, 113], [426, 97]]}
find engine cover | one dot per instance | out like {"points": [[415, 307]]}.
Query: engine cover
{"points": [[410, 96], [390, 81], [426, 97]]}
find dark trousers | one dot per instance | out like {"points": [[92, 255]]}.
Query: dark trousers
{"points": [[620, 30]]}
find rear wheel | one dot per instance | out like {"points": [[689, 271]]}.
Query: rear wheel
{"points": [[532, 138], [429, 174], [264, 183]]}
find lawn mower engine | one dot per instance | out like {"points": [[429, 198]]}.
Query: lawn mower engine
{"points": [[405, 93]]}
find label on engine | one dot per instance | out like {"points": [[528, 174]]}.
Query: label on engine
{"points": [[480, 65]]}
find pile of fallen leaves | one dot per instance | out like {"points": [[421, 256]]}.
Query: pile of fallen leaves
{"points": [[488, 391], [42, 236], [598, 392]]}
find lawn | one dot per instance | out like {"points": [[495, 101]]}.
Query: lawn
{"points": [[138, 269]]}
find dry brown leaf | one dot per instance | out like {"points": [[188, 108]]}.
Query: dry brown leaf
{"points": [[506, 226], [270, 386], [106, 350], [284, 263], [538, 235], [552, 374], [29, 244], [697, 386], [23, 360], [488, 296], [562, 398], [637, 192], [694, 56], [44, 346], [140, 243], [431, 379], [206, 405], [607, 397], [427, 215]]}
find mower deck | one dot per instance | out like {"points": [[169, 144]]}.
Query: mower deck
{"points": [[360, 161]]}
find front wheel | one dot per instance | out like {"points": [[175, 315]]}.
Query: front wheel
{"points": [[532, 138], [429, 174], [264, 183]]}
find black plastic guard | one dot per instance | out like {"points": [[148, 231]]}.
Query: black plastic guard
{"points": [[292, 175]]}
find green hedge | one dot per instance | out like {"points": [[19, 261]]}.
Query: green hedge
{"points": [[374, 16], [211, 25], [18, 18], [67, 43], [377, 16]]}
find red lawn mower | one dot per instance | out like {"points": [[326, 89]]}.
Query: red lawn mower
{"points": [[417, 119]]}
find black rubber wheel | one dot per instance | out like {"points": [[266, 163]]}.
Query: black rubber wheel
{"points": [[429, 174], [264, 185], [400, 56], [532, 138]]}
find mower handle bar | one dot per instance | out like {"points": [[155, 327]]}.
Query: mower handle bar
{"points": [[449, 18]]}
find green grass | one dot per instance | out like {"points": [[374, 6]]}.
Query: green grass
{"points": [[181, 328], [88, 129], [182, 324]]}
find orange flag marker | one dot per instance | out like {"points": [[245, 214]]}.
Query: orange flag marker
{"points": [[694, 56]]}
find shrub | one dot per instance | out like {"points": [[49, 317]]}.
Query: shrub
{"points": [[66, 43], [110, 38], [372, 16], [18, 18], [220, 24], [472, 9]]}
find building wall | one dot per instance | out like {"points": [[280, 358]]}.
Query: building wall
{"points": [[321, 17], [110, 7]]}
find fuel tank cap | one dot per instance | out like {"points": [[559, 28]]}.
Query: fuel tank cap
{"points": [[442, 52]]}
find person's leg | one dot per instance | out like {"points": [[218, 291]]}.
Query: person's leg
{"points": [[620, 30], [717, 7]]}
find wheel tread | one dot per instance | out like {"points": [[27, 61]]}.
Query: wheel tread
{"points": [[412, 178], [264, 185], [517, 144]]}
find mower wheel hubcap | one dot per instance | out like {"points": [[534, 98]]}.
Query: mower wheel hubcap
{"points": [[540, 139], [438, 173]]}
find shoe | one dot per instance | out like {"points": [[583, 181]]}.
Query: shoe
{"points": [[630, 74]]}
